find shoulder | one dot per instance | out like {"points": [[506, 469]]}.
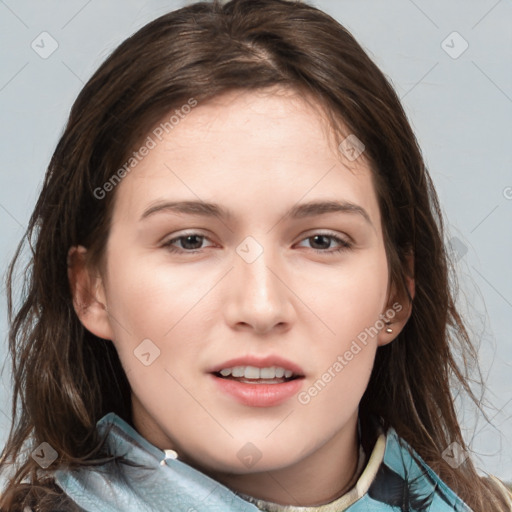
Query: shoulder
{"points": [[404, 475]]}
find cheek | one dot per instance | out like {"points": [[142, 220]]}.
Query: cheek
{"points": [[352, 296], [343, 374], [156, 311], [349, 307], [150, 299]]}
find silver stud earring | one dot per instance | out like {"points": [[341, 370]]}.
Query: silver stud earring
{"points": [[389, 330]]}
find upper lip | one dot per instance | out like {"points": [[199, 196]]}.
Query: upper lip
{"points": [[259, 362]]}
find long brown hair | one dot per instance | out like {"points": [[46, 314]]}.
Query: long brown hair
{"points": [[66, 379]]}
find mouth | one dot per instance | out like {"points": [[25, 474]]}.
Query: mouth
{"points": [[258, 380], [258, 392], [252, 367]]}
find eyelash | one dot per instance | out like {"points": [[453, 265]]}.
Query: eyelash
{"points": [[344, 245]]}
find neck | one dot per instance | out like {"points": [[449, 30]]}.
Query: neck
{"points": [[331, 467]]}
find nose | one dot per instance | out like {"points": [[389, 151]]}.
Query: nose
{"points": [[258, 296]]}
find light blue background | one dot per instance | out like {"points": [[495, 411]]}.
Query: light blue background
{"points": [[460, 108]]}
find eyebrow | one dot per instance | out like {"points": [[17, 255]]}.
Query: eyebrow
{"points": [[214, 210]]}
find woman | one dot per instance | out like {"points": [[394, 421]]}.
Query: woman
{"points": [[255, 372]]}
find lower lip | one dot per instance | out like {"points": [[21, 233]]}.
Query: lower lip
{"points": [[259, 395]]}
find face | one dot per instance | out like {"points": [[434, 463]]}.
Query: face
{"points": [[187, 291]]}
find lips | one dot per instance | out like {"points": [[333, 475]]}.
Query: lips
{"points": [[258, 395], [259, 362]]}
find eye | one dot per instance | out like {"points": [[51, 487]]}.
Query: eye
{"points": [[324, 239], [191, 243]]}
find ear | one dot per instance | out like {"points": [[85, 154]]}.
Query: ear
{"points": [[399, 307], [88, 294]]}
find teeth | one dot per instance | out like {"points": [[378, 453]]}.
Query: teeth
{"points": [[265, 373], [237, 371], [251, 372]]}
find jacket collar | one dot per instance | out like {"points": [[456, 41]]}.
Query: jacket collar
{"points": [[170, 487], [177, 486]]}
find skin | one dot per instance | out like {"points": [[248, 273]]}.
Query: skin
{"points": [[258, 155]]}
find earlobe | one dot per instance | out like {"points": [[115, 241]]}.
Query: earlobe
{"points": [[399, 307], [88, 294]]}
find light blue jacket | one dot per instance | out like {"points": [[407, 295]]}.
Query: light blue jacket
{"points": [[403, 482]]}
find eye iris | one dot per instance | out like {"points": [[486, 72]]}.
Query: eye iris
{"points": [[186, 239], [325, 237]]}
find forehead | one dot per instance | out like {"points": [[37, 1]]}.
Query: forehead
{"points": [[273, 118], [248, 149]]}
